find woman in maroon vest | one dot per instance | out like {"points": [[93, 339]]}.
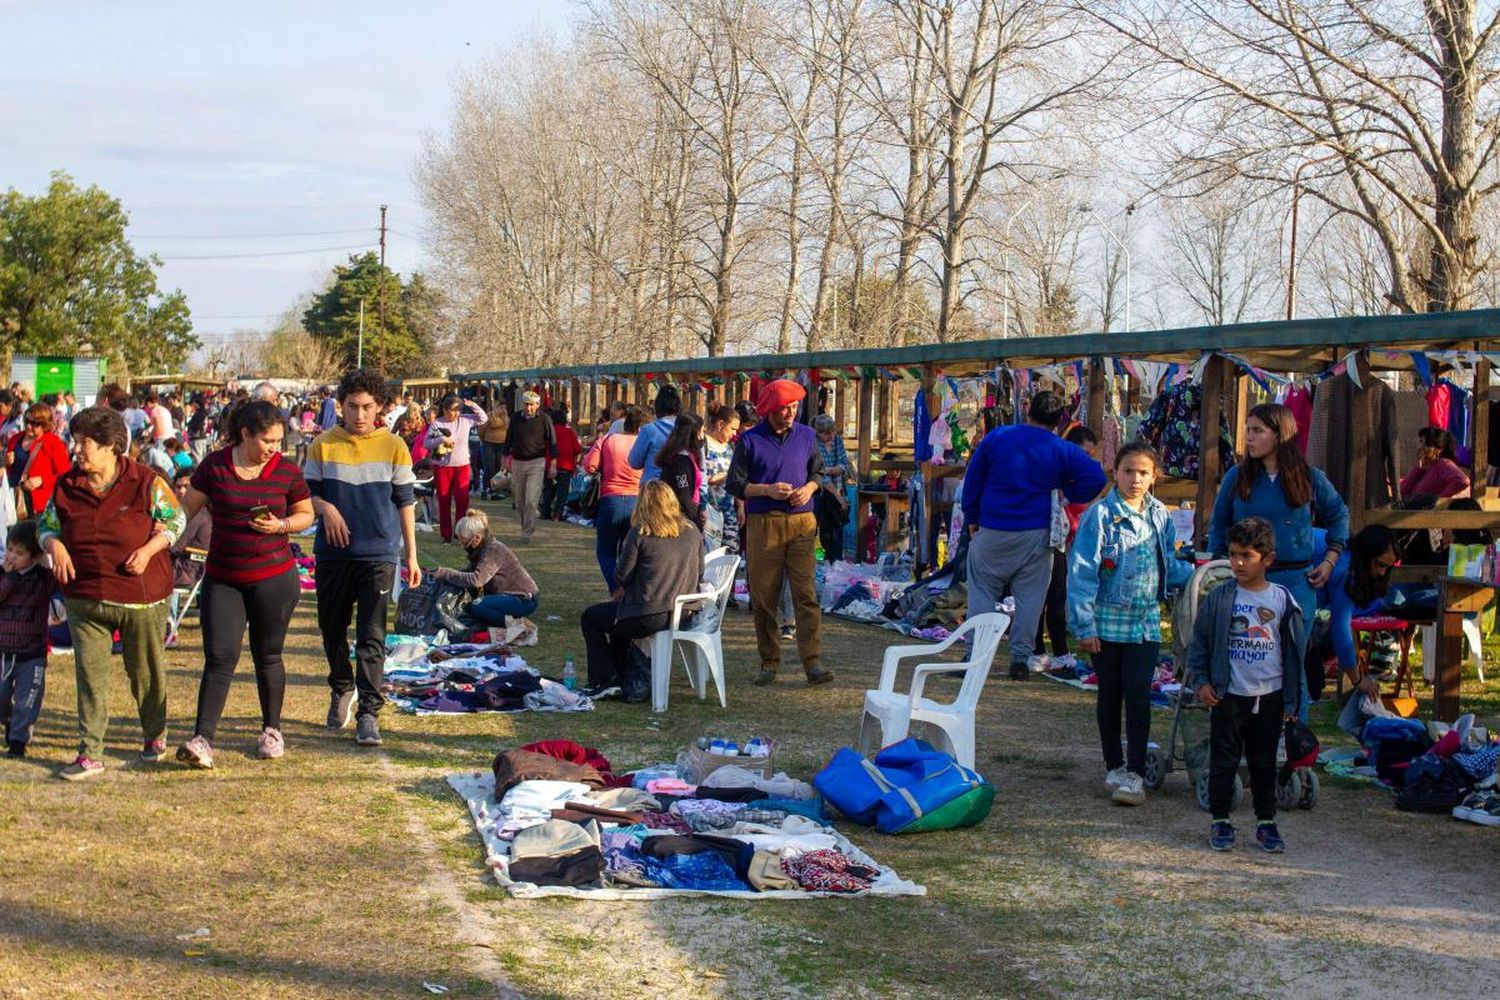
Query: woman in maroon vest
{"points": [[108, 529], [257, 497]]}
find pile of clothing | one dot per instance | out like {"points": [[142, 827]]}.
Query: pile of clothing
{"points": [[458, 678], [556, 819]]}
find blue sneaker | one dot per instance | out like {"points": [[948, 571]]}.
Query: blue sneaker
{"points": [[1221, 835], [1269, 838]]}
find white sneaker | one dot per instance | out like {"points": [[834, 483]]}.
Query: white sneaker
{"points": [[1114, 779], [1132, 791], [1038, 664]]}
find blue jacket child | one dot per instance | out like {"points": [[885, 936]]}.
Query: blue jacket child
{"points": [[1111, 555]]}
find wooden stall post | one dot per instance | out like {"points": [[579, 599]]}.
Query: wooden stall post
{"points": [[1098, 386], [884, 402], [577, 415], [1210, 470], [1361, 424], [594, 406], [862, 436], [1481, 426], [841, 407], [1240, 412]]}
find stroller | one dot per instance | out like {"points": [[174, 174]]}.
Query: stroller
{"points": [[1187, 745]]}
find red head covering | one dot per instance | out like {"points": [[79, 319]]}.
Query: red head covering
{"points": [[778, 394]]}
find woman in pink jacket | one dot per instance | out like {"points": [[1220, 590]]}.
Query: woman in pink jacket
{"points": [[619, 486], [1437, 472]]}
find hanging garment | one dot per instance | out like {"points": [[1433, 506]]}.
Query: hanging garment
{"points": [[921, 431], [1172, 427], [1438, 403], [1459, 422], [1299, 401], [1411, 417]]}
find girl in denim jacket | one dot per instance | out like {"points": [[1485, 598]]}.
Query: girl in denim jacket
{"points": [[1122, 563]]}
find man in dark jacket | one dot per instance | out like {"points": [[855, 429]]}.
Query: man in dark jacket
{"points": [[530, 452]]}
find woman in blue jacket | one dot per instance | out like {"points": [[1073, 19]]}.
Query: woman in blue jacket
{"points": [[1275, 482], [1360, 585]]}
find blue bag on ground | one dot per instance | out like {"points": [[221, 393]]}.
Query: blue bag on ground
{"points": [[910, 787]]}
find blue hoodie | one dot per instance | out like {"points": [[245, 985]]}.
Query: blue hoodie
{"points": [[1009, 483]]}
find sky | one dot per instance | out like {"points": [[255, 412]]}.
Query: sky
{"points": [[265, 128]]}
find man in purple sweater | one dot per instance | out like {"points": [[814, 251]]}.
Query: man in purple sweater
{"points": [[774, 470], [1007, 505]]}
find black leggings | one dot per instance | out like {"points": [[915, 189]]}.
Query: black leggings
{"points": [[226, 609], [1055, 612], [1241, 725], [1125, 671]]}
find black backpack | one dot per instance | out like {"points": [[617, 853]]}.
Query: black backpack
{"points": [[1435, 793]]}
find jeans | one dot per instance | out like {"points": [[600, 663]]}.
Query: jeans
{"points": [[555, 493], [142, 631], [489, 460], [608, 644], [451, 487], [495, 608], [611, 525], [343, 585], [227, 609], [1125, 670], [23, 682], [1252, 727]]}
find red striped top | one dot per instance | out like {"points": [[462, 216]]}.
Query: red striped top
{"points": [[237, 553]]}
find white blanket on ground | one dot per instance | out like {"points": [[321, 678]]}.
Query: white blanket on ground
{"points": [[478, 787]]}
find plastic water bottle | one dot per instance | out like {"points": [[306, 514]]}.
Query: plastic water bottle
{"points": [[818, 553], [716, 747], [731, 749], [570, 674]]}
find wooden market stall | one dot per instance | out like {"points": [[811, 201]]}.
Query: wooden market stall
{"points": [[1234, 364]]}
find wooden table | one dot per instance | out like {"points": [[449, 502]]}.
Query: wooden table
{"points": [[1456, 598]]}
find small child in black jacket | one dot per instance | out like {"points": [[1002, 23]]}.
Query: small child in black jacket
{"points": [[1244, 662], [26, 592]]}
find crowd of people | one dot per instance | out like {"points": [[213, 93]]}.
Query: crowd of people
{"points": [[111, 505]]}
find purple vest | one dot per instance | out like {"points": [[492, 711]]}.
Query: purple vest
{"points": [[776, 461]]}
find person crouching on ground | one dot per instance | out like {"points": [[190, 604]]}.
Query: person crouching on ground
{"points": [[661, 558], [508, 590], [25, 595], [774, 470], [1243, 664], [1122, 563]]}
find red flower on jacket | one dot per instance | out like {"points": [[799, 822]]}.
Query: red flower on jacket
{"points": [[1108, 564]]}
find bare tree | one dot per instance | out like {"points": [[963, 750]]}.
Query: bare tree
{"points": [[1223, 258], [1398, 96]]}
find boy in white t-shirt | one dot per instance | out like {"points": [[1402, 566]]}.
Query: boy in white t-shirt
{"points": [[1243, 663]]}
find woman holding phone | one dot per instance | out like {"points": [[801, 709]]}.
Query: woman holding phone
{"points": [[256, 498]]}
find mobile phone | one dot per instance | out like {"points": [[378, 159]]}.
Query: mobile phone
{"points": [[258, 511]]}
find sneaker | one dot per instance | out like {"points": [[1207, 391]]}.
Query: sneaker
{"points": [[1466, 808], [1221, 835], [788, 633], [271, 745], [82, 769], [819, 675], [16, 749], [1039, 664], [1487, 812], [1269, 838], [153, 750], [197, 753], [764, 678], [601, 692], [1132, 790], [1019, 671], [368, 733], [340, 710], [1114, 779]]}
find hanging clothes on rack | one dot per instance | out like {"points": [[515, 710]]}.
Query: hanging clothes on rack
{"points": [[1299, 401], [1172, 427]]}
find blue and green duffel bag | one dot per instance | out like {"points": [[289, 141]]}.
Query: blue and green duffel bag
{"points": [[910, 787]]}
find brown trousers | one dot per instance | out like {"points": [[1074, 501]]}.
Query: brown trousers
{"points": [[781, 546]]}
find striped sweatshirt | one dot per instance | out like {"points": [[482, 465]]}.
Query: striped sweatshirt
{"points": [[368, 478]]}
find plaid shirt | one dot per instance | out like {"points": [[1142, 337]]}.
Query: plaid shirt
{"points": [[1138, 618], [833, 453]]}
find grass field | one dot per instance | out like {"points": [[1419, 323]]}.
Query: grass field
{"points": [[344, 872]]}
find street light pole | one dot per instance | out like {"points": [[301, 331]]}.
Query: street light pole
{"points": [[359, 361], [1005, 259], [1291, 260]]}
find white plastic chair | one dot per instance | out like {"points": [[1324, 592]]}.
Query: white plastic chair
{"points": [[895, 711], [702, 651], [185, 596]]}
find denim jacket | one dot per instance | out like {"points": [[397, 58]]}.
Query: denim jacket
{"points": [[1109, 531]]}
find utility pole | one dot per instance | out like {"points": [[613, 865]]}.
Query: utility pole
{"points": [[380, 288], [359, 357]]}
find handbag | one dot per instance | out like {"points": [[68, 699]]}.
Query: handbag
{"points": [[588, 498], [909, 787]]}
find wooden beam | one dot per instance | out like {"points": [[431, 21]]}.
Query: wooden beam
{"points": [[1240, 409], [1482, 406], [1361, 427], [862, 433], [1209, 468], [1454, 520], [1098, 386], [841, 407], [884, 403]]}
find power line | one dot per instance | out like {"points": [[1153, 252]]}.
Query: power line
{"points": [[268, 253], [248, 236]]}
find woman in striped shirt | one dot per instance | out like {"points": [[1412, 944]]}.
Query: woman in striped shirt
{"points": [[256, 498]]}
